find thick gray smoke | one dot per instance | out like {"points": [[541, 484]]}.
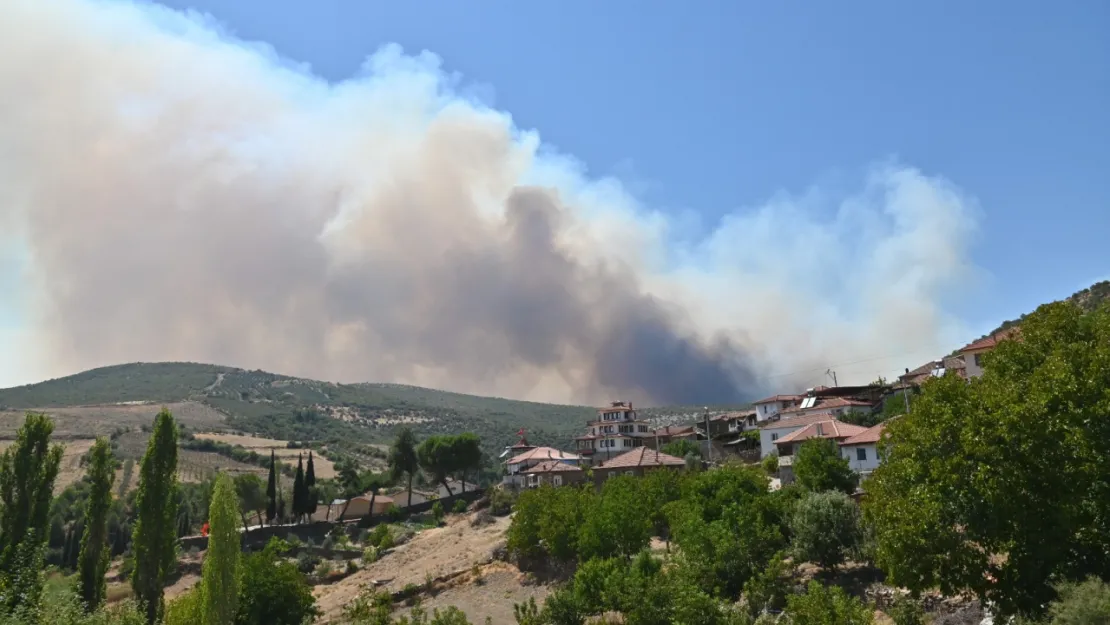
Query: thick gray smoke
{"points": [[175, 194]]}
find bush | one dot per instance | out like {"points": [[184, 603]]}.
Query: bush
{"points": [[306, 563], [770, 464], [273, 591], [393, 513], [369, 555], [825, 528], [324, 569], [437, 513], [460, 507], [906, 611], [500, 502], [818, 466], [768, 590], [352, 567], [827, 606], [1087, 603], [382, 538]]}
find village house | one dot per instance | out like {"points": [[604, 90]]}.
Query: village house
{"points": [[616, 430], [934, 369], [359, 507], [973, 352], [766, 409], [636, 463], [771, 431], [836, 406], [553, 473], [672, 433], [516, 468], [862, 451], [827, 428]]}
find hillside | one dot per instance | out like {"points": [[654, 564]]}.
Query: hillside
{"points": [[1088, 299], [291, 408]]}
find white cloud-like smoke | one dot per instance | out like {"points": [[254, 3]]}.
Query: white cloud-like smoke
{"points": [[181, 195]]}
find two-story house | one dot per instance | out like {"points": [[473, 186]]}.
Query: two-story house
{"points": [[862, 449], [616, 430], [767, 409], [516, 468]]}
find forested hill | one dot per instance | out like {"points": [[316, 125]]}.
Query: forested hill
{"points": [[1088, 299]]}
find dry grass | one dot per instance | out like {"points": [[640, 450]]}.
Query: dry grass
{"points": [[92, 421], [196, 466], [70, 470], [325, 469]]}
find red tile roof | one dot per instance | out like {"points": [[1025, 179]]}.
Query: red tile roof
{"points": [[955, 363], [867, 437], [552, 466], [542, 453], [778, 398], [674, 430], [642, 457], [795, 422], [830, 428], [989, 342]]}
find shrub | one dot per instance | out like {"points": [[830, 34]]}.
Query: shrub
{"points": [[825, 528], [770, 464], [324, 569], [393, 513], [827, 606], [372, 607], [906, 611], [306, 563], [437, 513], [369, 555], [273, 591], [818, 466], [352, 567], [1085, 603], [363, 536], [500, 502], [460, 507]]}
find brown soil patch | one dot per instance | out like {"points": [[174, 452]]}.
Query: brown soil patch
{"points": [[431, 553], [70, 470], [492, 595]]}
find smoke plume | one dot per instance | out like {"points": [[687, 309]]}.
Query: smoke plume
{"points": [[177, 194]]}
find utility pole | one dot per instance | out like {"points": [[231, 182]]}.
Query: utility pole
{"points": [[832, 373], [708, 439]]}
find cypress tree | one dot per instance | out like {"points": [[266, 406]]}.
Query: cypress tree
{"points": [[310, 488], [298, 490], [220, 575], [93, 560], [27, 473], [271, 491], [154, 540]]}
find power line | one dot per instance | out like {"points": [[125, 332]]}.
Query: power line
{"points": [[842, 364]]}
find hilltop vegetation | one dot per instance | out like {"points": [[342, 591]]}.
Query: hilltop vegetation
{"points": [[289, 408], [1088, 299]]}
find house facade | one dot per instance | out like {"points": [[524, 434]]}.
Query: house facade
{"points": [[616, 431], [767, 409], [553, 473], [636, 463], [516, 468], [771, 431], [973, 352], [828, 428], [862, 450]]}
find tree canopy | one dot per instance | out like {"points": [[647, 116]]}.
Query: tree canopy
{"points": [[1001, 485], [818, 466]]}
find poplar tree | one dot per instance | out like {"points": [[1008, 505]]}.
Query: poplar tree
{"points": [[93, 561], [298, 490], [155, 537], [27, 472], [220, 575], [403, 460], [271, 490], [310, 487]]}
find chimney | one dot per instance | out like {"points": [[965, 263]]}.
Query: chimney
{"points": [[907, 370]]}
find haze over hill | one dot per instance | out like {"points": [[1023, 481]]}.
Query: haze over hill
{"points": [[207, 201]]}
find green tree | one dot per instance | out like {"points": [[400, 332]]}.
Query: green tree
{"points": [[220, 576], [466, 455], [154, 540], [403, 461], [819, 466], [28, 469], [1001, 485], [272, 591], [299, 494], [437, 457], [271, 490], [310, 486], [252, 496], [619, 524], [1085, 603], [681, 448], [770, 464], [94, 558], [827, 606], [825, 528]]}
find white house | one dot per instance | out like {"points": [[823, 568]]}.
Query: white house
{"points": [[771, 431], [862, 451], [616, 431], [517, 467], [766, 409]]}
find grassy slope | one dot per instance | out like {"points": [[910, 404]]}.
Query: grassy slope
{"points": [[283, 407]]}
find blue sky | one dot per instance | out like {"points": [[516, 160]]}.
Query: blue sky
{"points": [[709, 106], [706, 111]]}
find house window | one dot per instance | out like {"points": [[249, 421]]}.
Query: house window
{"points": [[557, 480], [774, 437], [861, 454], [977, 363]]}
